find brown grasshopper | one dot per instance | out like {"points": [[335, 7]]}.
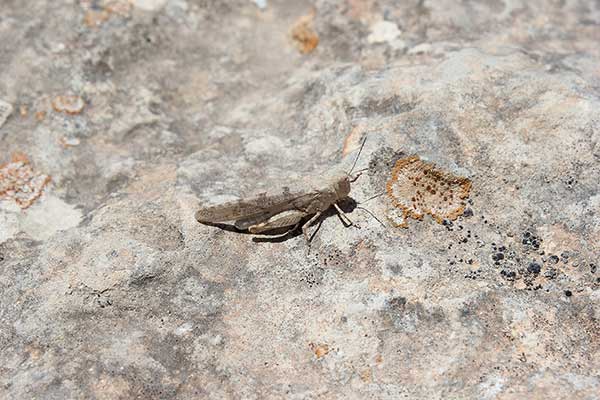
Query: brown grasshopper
{"points": [[266, 213]]}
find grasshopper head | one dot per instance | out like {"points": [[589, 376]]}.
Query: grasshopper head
{"points": [[342, 187]]}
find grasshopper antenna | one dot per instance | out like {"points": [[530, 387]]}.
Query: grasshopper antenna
{"points": [[372, 215], [358, 174], [373, 197], [357, 156], [369, 212]]}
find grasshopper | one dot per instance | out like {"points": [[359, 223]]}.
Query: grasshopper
{"points": [[286, 209]]}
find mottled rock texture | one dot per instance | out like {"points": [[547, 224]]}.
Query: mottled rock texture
{"points": [[141, 111]]}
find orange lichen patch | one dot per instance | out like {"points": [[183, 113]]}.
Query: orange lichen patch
{"points": [[67, 142], [40, 115], [417, 188], [353, 140], [366, 375], [20, 183], [303, 34], [320, 350], [119, 7], [96, 16], [68, 104], [34, 352]]}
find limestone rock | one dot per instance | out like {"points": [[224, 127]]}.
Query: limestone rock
{"points": [[111, 289]]}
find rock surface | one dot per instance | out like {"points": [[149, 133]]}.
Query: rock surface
{"points": [[112, 290]]}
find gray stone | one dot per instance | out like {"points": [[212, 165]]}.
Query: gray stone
{"points": [[111, 289]]}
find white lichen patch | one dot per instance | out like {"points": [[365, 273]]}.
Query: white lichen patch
{"points": [[383, 31], [42, 220], [149, 5], [9, 223], [49, 216]]}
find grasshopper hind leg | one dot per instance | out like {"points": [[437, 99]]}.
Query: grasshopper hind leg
{"points": [[308, 224], [282, 220]]}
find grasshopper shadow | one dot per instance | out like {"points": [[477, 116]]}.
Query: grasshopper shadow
{"points": [[269, 236], [225, 227]]}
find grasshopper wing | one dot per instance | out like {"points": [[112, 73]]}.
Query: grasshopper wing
{"points": [[293, 203], [254, 210]]}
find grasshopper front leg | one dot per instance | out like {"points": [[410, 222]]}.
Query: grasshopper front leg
{"points": [[343, 216]]}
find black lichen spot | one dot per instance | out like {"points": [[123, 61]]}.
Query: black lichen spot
{"points": [[553, 259], [397, 302], [313, 277], [508, 275], [593, 266], [568, 293], [570, 182], [448, 224], [498, 257], [473, 274], [534, 268], [550, 273], [531, 240], [468, 213]]}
